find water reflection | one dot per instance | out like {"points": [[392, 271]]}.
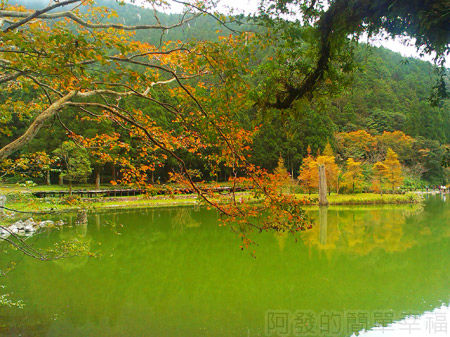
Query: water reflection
{"points": [[175, 272], [361, 230]]}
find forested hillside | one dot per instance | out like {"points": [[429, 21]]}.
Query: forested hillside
{"points": [[383, 92]]}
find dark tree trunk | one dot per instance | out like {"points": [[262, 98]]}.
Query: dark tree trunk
{"points": [[113, 172]]}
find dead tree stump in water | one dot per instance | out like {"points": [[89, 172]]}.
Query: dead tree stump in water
{"points": [[81, 217], [322, 186]]}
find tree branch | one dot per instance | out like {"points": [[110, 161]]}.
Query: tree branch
{"points": [[34, 128], [77, 19], [159, 144], [7, 78], [38, 13]]}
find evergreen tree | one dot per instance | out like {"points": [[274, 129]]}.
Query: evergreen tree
{"points": [[75, 162]]}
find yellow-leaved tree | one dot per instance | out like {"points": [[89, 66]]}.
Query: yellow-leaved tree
{"points": [[380, 173], [331, 168], [281, 173], [308, 176], [353, 177], [394, 173], [328, 150]]}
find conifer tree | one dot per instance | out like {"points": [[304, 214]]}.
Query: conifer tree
{"points": [[394, 174], [353, 177], [281, 172], [308, 176], [328, 151], [331, 168], [380, 172]]}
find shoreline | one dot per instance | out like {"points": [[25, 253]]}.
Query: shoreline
{"points": [[55, 206]]}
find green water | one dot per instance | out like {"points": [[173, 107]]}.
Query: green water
{"points": [[175, 272]]}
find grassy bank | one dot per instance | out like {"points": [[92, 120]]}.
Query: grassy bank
{"points": [[21, 199], [62, 205], [367, 198]]}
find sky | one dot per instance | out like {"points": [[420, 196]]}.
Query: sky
{"points": [[405, 49], [250, 6]]}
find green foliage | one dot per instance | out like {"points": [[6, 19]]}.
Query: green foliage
{"points": [[383, 92], [74, 161]]}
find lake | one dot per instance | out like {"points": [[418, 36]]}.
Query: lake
{"points": [[372, 270]]}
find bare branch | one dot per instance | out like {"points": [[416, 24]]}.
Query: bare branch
{"points": [[160, 52], [77, 19], [38, 13], [22, 245], [208, 13]]}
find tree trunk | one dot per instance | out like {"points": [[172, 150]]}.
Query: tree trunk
{"points": [[97, 180], [113, 172], [60, 180], [381, 187], [48, 178], [322, 186], [81, 217], [70, 186]]}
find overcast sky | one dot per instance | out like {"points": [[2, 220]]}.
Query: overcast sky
{"points": [[250, 6]]}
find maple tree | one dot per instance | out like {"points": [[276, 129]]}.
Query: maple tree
{"points": [[36, 164], [73, 62]]}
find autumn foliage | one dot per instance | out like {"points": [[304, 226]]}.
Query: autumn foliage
{"points": [[77, 64], [363, 174]]}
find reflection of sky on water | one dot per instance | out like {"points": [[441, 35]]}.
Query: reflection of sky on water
{"points": [[430, 323]]}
